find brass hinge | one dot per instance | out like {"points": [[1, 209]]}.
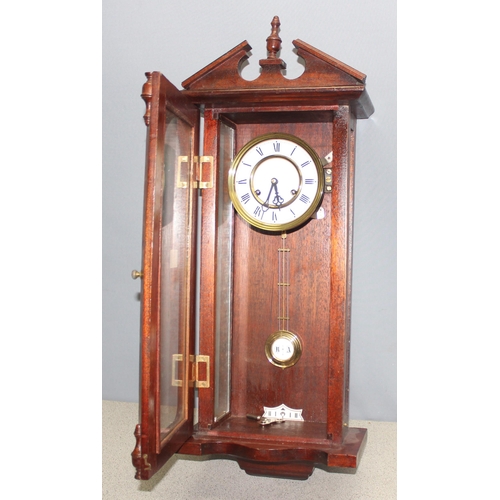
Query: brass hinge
{"points": [[147, 465], [196, 367], [176, 382], [195, 374], [202, 181], [183, 184]]}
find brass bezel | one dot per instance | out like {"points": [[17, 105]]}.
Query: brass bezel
{"points": [[294, 339], [315, 202]]}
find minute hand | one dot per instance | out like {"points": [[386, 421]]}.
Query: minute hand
{"points": [[265, 205]]}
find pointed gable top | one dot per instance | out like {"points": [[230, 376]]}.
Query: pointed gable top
{"points": [[325, 80]]}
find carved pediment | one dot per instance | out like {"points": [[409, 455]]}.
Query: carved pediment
{"points": [[324, 80]]}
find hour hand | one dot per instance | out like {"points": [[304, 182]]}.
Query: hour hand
{"points": [[265, 205]]}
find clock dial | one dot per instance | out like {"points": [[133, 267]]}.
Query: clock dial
{"points": [[276, 182]]}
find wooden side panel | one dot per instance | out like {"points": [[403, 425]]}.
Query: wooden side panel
{"points": [[342, 171], [208, 273]]}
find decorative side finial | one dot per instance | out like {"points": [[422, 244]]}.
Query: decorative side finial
{"points": [[273, 40], [147, 94], [137, 453]]}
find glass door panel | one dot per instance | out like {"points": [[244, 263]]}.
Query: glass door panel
{"points": [[168, 285], [224, 289], [175, 270]]}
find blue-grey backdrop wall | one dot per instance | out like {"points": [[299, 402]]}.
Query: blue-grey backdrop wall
{"points": [[178, 39]]}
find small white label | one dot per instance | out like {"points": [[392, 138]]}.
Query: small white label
{"points": [[283, 412], [319, 214], [282, 349]]}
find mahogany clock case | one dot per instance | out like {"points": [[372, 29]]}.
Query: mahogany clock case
{"points": [[238, 301]]}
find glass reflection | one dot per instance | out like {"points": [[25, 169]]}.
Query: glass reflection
{"points": [[175, 251], [224, 278]]}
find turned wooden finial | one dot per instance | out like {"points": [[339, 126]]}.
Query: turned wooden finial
{"points": [[147, 94], [273, 40], [137, 453]]}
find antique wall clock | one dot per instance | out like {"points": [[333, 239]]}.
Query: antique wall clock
{"points": [[266, 379]]}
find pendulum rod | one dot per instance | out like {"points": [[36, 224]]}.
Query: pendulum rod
{"points": [[283, 283]]}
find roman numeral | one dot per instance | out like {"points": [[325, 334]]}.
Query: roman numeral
{"points": [[309, 181], [258, 211], [244, 181], [245, 198], [275, 217], [293, 150], [276, 147], [304, 199], [259, 150], [305, 163]]}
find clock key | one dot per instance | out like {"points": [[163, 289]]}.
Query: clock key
{"points": [[253, 417], [270, 421]]}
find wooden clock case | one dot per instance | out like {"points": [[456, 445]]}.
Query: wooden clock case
{"points": [[227, 372]]}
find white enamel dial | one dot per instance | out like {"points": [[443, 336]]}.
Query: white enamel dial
{"points": [[276, 182]]}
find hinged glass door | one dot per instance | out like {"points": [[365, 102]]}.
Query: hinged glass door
{"points": [[168, 292]]}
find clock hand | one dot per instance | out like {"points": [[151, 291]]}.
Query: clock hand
{"points": [[266, 203], [278, 200]]}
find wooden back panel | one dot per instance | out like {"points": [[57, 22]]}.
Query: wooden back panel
{"points": [[255, 381]]}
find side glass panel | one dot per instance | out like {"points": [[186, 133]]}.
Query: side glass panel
{"points": [[224, 278], [174, 273]]}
